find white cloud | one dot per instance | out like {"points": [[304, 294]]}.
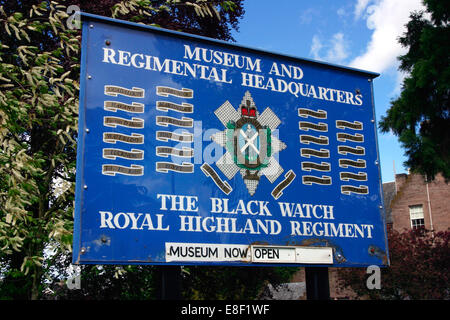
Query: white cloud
{"points": [[308, 15], [398, 83], [387, 19], [336, 48], [316, 46], [339, 48], [360, 7], [341, 12]]}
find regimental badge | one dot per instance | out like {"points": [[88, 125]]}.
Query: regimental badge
{"points": [[249, 142]]}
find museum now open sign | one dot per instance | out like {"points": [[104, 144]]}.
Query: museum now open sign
{"points": [[197, 151]]}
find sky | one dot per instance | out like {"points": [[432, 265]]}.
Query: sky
{"points": [[362, 34]]}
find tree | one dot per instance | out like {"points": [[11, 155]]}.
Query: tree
{"points": [[39, 72], [209, 18], [420, 266], [420, 116]]}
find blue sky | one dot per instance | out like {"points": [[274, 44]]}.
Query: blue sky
{"points": [[355, 33]]}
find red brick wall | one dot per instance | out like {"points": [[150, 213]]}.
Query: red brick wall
{"points": [[412, 190]]}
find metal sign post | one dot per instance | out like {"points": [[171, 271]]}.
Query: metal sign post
{"points": [[317, 283], [170, 283], [193, 151]]}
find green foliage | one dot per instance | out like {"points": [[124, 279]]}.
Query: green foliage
{"points": [[39, 72], [101, 282], [38, 114], [420, 116]]}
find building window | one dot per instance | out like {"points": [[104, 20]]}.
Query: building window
{"points": [[416, 216]]}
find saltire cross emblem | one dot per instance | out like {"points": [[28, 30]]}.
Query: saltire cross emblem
{"points": [[249, 142]]}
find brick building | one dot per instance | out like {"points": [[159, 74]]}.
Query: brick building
{"points": [[410, 202], [413, 202]]}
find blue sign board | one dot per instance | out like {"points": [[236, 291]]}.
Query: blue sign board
{"points": [[197, 151]]}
